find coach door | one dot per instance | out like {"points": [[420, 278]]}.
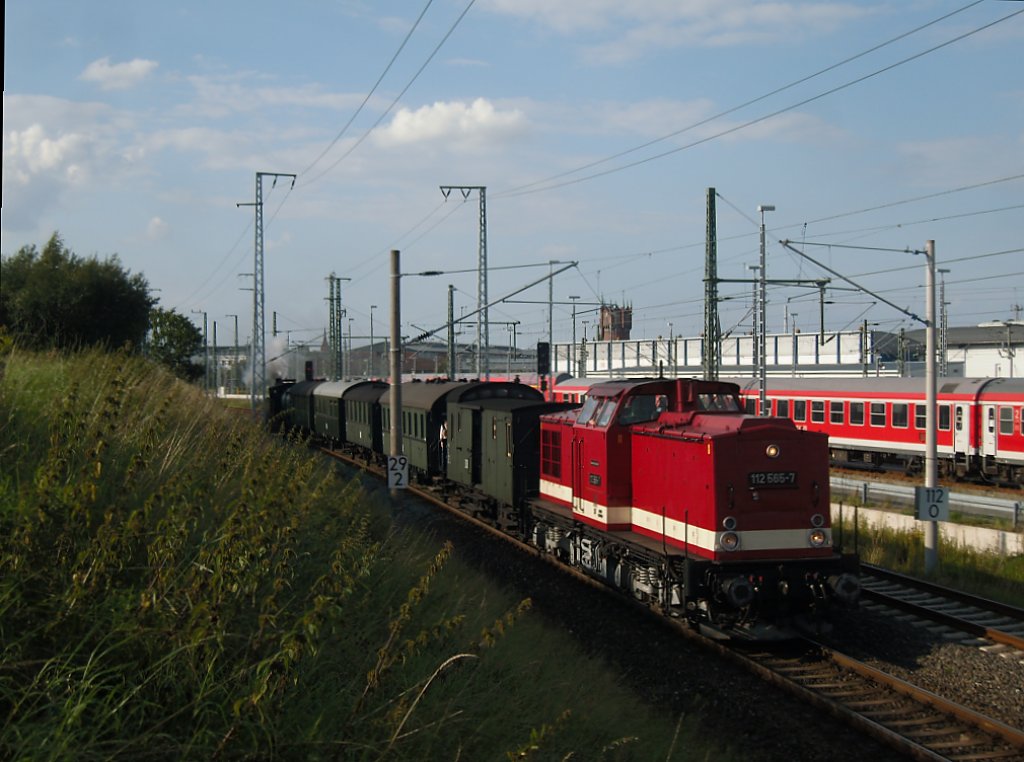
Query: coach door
{"points": [[962, 431], [988, 430]]}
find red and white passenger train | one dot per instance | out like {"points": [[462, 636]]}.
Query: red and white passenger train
{"points": [[880, 422]]}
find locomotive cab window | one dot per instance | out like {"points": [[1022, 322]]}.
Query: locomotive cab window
{"points": [[717, 402], [604, 415], [856, 413], [637, 409], [587, 411]]}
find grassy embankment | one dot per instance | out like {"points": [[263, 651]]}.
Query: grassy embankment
{"points": [[175, 584]]}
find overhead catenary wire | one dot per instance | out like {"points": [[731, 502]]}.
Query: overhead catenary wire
{"points": [[516, 190], [760, 119]]}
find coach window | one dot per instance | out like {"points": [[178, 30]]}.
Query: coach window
{"points": [[817, 411], [856, 413], [900, 413], [799, 410], [1006, 420], [835, 412], [782, 408], [943, 417], [920, 416], [878, 414], [750, 405]]}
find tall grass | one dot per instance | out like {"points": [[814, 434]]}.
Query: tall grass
{"points": [[176, 584], [990, 575]]}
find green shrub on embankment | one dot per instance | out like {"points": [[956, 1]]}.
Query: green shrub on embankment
{"points": [[175, 584]]}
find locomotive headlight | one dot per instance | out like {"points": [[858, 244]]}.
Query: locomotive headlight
{"points": [[730, 541], [817, 538], [772, 451]]}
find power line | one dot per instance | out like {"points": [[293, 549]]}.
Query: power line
{"points": [[371, 92], [758, 120], [398, 97], [734, 109]]}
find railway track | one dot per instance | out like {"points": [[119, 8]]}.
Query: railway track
{"points": [[914, 721], [907, 718], [999, 623]]}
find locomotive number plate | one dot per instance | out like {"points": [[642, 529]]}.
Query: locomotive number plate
{"points": [[765, 479]]}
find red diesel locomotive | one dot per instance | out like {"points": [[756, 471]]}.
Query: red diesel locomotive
{"points": [[667, 490]]}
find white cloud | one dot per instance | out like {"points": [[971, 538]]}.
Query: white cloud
{"points": [[633, 28], [452, 120], [157, 229], [52, 146], [120, 76]]}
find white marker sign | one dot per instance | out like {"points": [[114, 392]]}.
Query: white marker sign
{"points": [[932, 503], [398, 472]]}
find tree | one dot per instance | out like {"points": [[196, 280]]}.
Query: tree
{"points": [[174, 341], [55, 298]]}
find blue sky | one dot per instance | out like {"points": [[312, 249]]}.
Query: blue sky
{"points": [[135, 129]]}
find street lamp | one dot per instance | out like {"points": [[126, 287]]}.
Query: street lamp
{"points": [[572, 367], [762, 342]]}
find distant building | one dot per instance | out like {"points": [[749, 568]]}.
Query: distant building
{"points": [[615, 323]]}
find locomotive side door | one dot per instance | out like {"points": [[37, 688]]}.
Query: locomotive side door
{"points": [[578, 471]]}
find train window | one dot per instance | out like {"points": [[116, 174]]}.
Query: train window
{"points": [[1006, 420], [943, 417], [817, 411], [750, 405], [782, 408], [959, 419], [799, 410], [878, 414], [856, 413], [550, 453], [920, 416], [604, 415], [900, 415], [835, 412], [587, 411], [717, 402], [638, 409]]}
